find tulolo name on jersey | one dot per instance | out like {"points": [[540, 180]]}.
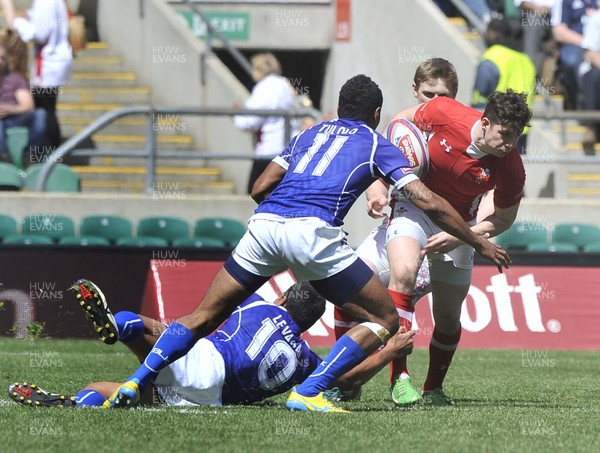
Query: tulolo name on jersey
{"points": [[287, 333], [337, 130]]}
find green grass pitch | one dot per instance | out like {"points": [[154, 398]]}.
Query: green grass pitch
{"points": [[519, 400]]}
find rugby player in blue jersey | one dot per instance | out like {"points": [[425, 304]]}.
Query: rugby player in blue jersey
{"points": [[257, 353], [304, 195]]}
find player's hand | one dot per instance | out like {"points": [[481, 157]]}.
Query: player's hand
{"points": [[494, 253], [402, 343], [375, 207], [441, 242]]}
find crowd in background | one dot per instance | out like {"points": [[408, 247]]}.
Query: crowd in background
{"points": [[562, 39]]}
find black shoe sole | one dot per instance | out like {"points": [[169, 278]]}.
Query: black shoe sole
{"points": [[33, 396], [92, 301]]}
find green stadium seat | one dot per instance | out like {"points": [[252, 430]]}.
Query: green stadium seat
{"points": [[62, 178], [594, 247], [143, 241], [11, 178], [579, 234], [17, 139], [27, 239], [84, 240], [521, 234], [169, 228], [51, 225], [552, 247], [107, 226], [228, 230], [198, 242], [8, 225]]}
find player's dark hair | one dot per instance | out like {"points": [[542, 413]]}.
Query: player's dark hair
{"points": [[508, 109], [304, 304], [359, 98], [437, 68]]}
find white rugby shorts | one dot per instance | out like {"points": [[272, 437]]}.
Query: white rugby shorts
{"points": [[195, 379], [409, 221], [310, 247]]}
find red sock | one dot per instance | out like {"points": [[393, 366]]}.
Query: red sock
{"points": [[342, 322], [441, 351], [403, 303]]}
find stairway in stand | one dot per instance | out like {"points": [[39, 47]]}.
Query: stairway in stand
{"points": [[101, 84]]}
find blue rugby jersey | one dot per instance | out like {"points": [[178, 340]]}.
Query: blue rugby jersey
{"points": [[262, 351], [327, 168]]}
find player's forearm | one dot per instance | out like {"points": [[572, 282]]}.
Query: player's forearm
{"points": [[378, 189], [363, 372], [491, 225]]}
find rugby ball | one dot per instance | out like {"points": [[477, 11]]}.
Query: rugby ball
{"points": [[411, 141]]}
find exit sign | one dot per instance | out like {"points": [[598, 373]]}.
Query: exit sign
{"points": [[234, 26]]}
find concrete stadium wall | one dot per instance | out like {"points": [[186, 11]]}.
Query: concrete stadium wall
{"points": [[191, 208], [390, 38], [167, 57]]}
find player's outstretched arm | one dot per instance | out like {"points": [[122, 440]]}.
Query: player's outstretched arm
{"points": [[498, 221], [446, 217], [377, 198], [267, 181], [398, 346]]}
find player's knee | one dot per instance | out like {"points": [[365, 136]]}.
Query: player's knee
{"points": [[391, 323]]}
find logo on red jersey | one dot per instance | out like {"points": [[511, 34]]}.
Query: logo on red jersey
{"points": [[483, 177], [446, 145]]}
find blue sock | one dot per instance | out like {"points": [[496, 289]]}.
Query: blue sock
{"points": [[345, 355], [89, 398], [129, 325], [174, 343]]}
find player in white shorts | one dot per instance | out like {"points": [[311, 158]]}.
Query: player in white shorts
{"points": [[255, 354]]}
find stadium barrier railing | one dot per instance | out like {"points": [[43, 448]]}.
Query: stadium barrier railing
{"points": [[151, 152]]}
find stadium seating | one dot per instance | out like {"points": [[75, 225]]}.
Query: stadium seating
{"points": [[107, 226], [168, 228], [84, 240], [594, 247], [141, 241], [199, 242], [61, 179], [228, 230], [521, 234], [11, 178], [551, 247], [8, 225], [50, 225], [27, 239], [16, 140], [578, 234]]}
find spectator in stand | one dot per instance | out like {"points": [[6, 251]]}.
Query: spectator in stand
{"points": [[502, 68], [568, 21], [17, 108], [272, 91], [46, 24], [535, 20], [589, 72]]}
